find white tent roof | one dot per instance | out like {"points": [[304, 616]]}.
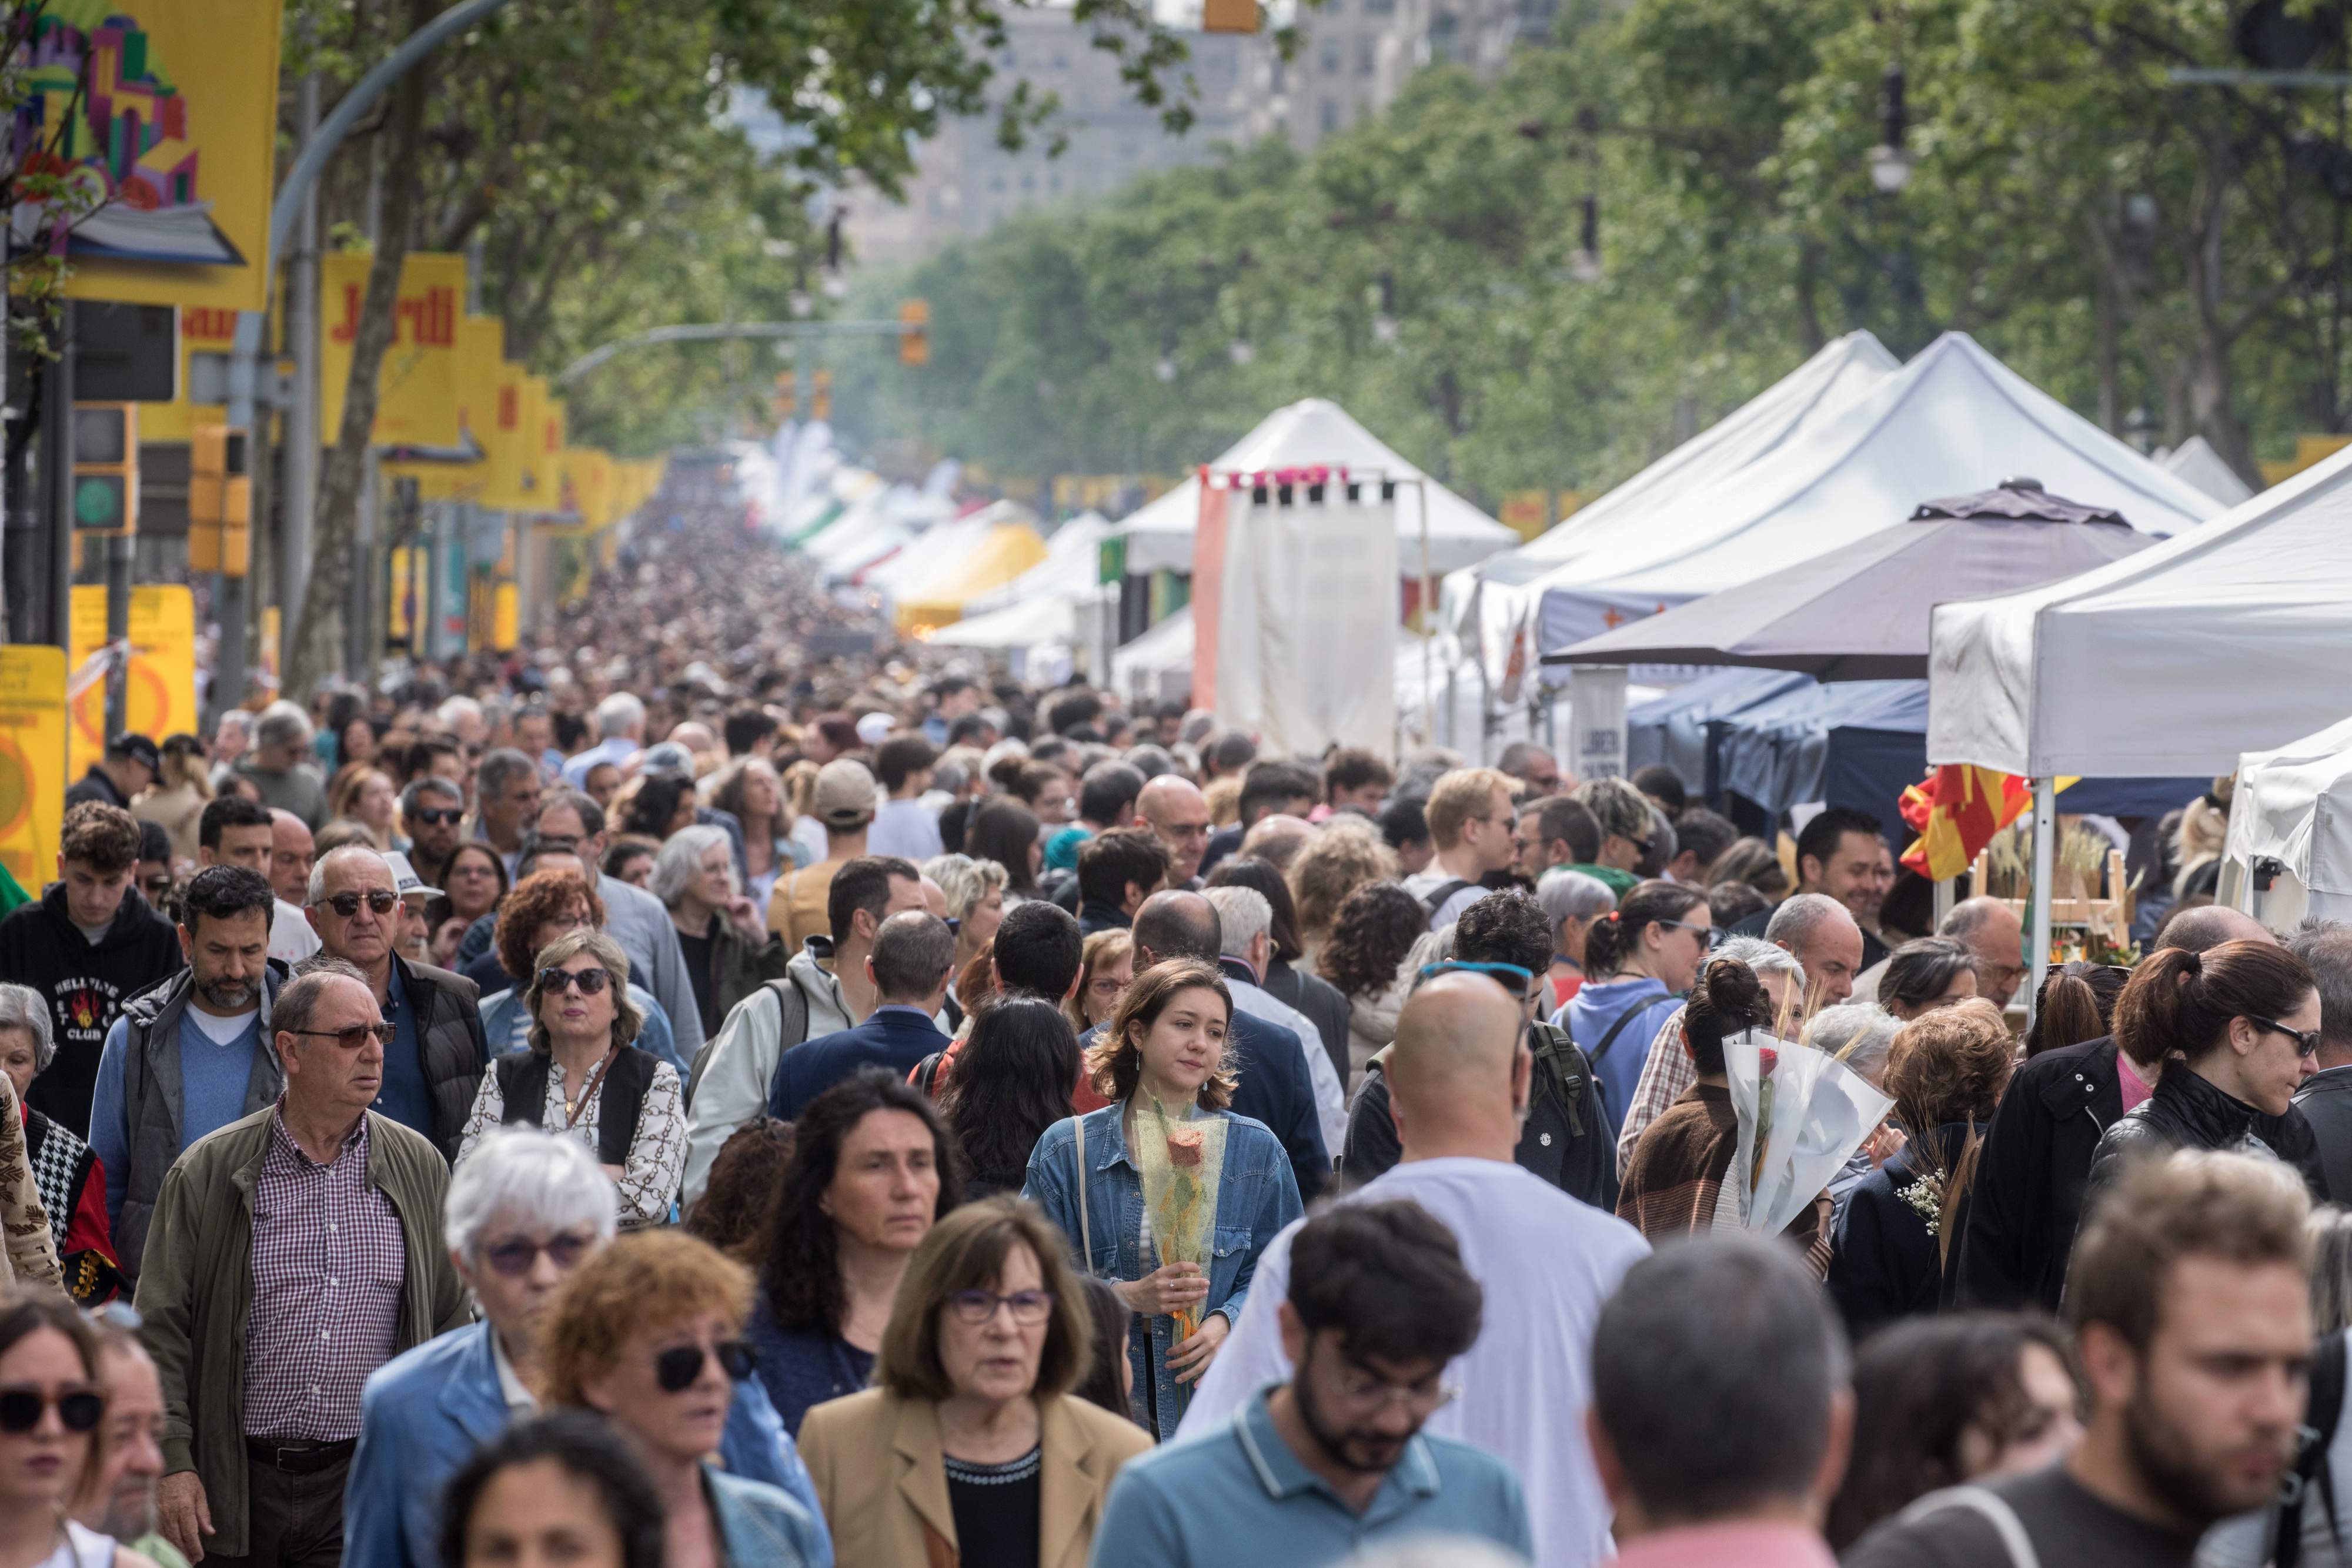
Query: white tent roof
{"points": [[2295, 805], [1306, 433], [1072, 568], [1497, 589], [942, 546], [2231, 638], [2197, 462], [1952, 421], [1027, 624]]}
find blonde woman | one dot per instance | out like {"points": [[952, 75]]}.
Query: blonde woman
{"points": [[1345, 855], [365, 795], [183, 789]]}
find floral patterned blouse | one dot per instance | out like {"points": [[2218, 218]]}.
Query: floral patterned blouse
{"points": [[648, 1181]]}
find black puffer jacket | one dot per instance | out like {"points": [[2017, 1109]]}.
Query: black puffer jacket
{"points": [[2184, 1112]]}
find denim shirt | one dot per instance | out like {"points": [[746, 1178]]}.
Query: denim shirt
{"points": [[760, 1526], [1257, 1196]]}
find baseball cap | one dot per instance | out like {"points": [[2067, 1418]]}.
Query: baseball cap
{"points": [[844, 794], [404, 879], [139, 748], [873, 728], [669, 758]]}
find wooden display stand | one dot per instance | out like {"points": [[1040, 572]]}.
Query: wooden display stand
{"points": [[2111, 916]]}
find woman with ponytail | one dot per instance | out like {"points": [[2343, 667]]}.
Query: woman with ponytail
{"points": [[2076, 1002], [1674, 1184], [1637, 959], [2227, 1034], [1894, 1245]]}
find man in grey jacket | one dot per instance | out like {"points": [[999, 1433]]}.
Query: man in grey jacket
{"points": [[635, 918]]}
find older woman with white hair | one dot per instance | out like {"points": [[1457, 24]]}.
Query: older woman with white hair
{"points": [[524, 1211], [729, 953], [30, 1249], [1669, 1070], [1571, 901], [67, 1176], [585, 1077]]}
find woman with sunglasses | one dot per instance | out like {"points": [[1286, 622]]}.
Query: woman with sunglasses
{"points": [[2227, 1034], [523, 1214], [52, 1435], [1160, 1062], [1638, 960], [989, 1334], [583, 1076], [649, 1333]]}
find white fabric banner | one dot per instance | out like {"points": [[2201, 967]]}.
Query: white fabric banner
{"points": [[1307, 628], [1596, 703]]}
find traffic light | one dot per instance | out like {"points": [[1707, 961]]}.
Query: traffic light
{"points": [[786, 402], [821, 394], [915, 332], [220, 501], [106, 467]]}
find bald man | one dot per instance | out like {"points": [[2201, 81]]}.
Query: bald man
{"points": [[1175, 809], [1546, 1262], [2028, 1194]]}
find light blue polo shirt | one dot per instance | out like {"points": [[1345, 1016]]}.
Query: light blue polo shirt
{"points": [[1186, 1505]]}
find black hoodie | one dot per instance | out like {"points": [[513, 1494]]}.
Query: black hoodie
{"points": [[86, 985]]}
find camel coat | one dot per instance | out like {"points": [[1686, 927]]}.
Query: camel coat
{"points": [[882, 1480]]}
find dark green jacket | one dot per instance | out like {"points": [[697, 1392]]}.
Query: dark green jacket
{"points": [[195, 1292]]}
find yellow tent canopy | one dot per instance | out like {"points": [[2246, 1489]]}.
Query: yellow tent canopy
{"points": [[1003, 553]]}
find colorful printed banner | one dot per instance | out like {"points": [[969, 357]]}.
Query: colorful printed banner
{"points": [[417, 389], [32, 761]]}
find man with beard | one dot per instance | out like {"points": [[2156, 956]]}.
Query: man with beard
{"points": [[1312, 1471], [2187, 1296], [186, 1057]]}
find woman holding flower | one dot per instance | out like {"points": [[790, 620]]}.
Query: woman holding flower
{"points": [[1164, 1192], [1895, 1238]]}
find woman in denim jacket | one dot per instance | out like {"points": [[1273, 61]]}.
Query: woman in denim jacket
{"points": [[1164, 1049]]}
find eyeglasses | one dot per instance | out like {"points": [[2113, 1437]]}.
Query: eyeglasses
{"points": [[354, 1036], [1510, 976], [345, 904], [20, 1409], [677, 1368], [591, 982], [514, 1258], [154, 887], [2307, 1041], [1708, 935], [1366, 1396], [1029, 1306], [437, 817]]}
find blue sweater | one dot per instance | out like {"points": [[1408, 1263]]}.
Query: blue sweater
{"points": [[213, 1080]]}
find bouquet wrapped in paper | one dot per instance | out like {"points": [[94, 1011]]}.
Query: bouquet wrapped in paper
{"points": [[1803, 1114], [1182, 1158]]}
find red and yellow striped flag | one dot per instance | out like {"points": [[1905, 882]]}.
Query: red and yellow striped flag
{"points": [[1956, 810]]}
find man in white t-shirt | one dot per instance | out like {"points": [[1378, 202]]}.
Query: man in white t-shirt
{"points": [[1458, 1080], [904, 826], [1470, 820]]}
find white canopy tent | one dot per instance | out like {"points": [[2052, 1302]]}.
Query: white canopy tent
{"points": [[2197, 462], [1072, 569], [943, 544], [2289, 852], [1953, 421], [1317, 432], [1488, 606], [2172, 662], [1158, 666]]}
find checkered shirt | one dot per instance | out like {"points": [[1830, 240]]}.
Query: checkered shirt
{"points": [[327, 1268]]}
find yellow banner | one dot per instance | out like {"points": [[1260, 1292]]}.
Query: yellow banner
{"points": [[481, 347], [32, 762], [167, 112], [504, 440], [160, 697], [417, 389], [506, 618], [587, 486], [549, 419]]}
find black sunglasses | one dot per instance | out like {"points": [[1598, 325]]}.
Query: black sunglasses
{"points": [[346, 905], [514, 1258], [20, 1409], [2307, 1041], [677, 1369], [440, 816], [353, 1035], [591, 982]]}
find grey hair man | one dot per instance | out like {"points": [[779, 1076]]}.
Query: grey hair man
{"points": [[2325, 1097], [620, 735], [1246, 924], [1668, 1071], [506, 800], [278, 764], [261, 1343], [1823, 935], [1722, 1402]]}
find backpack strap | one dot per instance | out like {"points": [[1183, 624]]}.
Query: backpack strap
{"points": [[1085, 1227], [1562, 1065], [2324, 1413], [1440, 897], [790, 1004], [1610, 1038], [1988, 1506]]}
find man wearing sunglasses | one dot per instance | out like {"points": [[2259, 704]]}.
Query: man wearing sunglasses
{"points": [[433, 811], [525, 1210], [293, 1253], [432, 1064]]}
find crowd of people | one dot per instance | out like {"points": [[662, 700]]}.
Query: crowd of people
{"points": [[691, 1098]]}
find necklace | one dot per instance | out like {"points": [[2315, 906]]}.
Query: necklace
{"points": [[574, 1108]]}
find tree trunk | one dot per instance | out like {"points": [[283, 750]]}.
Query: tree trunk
{"points": [[317, 650]]}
